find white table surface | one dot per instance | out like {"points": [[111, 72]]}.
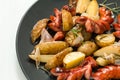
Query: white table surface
{"points": [[11, 13]]}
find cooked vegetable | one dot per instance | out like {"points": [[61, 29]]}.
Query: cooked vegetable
{"points": [[111, 49], [74, 19], [117, 62], [82, 6], [108, 59], [67, 20], [86, 35], [74, 36], [45, 36], [51, 47], [73, 59], [35, 55], [88, 47], [105, 39], [101, 61], [93, 10], [45, 58], [36, 31], [41, 58], [46, 48], [57, 60]]}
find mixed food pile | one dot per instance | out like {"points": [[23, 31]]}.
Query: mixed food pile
{"points": [[81, 40]]}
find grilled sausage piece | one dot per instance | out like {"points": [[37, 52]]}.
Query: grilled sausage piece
{"points": [[107, 73]]}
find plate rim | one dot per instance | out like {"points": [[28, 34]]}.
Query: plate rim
{"points": [[16, 41]]}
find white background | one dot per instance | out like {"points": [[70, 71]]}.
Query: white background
{"points": [[11, 13]]}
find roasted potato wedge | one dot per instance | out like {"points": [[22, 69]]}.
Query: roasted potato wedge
{"points": [[88, 47], [101, 61], [45, 58], [36, 31], [42, 58], [53, 47], [93, 10], [67, 20], [46, 48], [57, 60], [82, 6], [105, 39], [111, 49], [73, 59]]}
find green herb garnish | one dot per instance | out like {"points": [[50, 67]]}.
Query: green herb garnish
{"points": [[75, 32]]}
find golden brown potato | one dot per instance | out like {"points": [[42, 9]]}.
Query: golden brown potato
{"points": [[67, 20], [105, 39], [57, 60], [82, 6], [102, 62], [45, 58], [93, 10], [88, 47], [40, 58], [53, 47], [36, 31], [46, 48], [73, 59], [74, 36], [111, 49]]}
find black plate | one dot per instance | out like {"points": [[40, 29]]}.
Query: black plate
{"points": [[41, 9]]}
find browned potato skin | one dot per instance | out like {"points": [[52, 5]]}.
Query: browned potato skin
{"points": [[102, 62], [88, 47], [111, 49], [104, 39], [36, 31], [93, 10], [82, 5], [53, 47], [74, 38], [67, 20], [57, 60]]}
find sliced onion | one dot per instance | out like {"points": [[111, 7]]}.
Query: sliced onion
{"points": [[45, 36]]}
